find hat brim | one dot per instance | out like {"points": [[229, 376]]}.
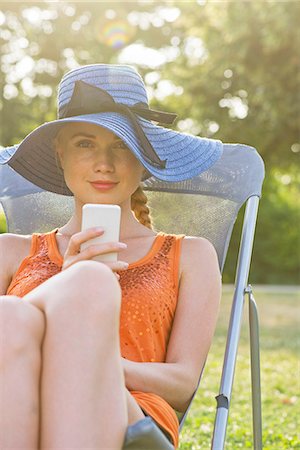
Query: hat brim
{"points": [[186, 155]]}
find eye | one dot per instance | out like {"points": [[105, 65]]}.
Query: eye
{"points": [[84, 144], [120, 144]]}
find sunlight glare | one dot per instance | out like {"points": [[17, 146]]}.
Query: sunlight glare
{"points": [[2, 18], [145, 56], [237, 108], [115, 33], [37, 16]]}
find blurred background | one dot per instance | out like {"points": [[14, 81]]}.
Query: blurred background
{"points": [[229, 69]]}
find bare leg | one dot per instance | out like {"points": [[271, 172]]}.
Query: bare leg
{"points": [[21, 332], [83, 395]]}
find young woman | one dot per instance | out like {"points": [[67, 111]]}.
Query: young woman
{"points": [[89, 348]]}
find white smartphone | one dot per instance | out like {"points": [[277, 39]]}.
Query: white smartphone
{"points": [[107, 217]]}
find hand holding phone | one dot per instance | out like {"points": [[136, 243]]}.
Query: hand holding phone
{"points": [[98, 239]]}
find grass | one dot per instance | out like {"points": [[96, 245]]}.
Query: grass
{"points": [[280, 380]]}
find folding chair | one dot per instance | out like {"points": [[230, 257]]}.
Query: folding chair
{"points": [[206, 205]]}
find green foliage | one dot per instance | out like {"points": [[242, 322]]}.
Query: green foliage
{"points": [[233, 68], [2, 223], [277, 242], [278, 239], [250, 58]]}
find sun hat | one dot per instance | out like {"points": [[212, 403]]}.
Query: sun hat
{"points": [[112, 96]]}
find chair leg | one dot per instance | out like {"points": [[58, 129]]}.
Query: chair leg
{"points": [[255, 370]]}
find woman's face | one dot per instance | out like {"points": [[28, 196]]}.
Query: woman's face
{"points": [[90, 154]]}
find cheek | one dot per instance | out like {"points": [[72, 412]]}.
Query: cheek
{"points": [[75, 162], [135, 176], [136, 167], [74, 170]]}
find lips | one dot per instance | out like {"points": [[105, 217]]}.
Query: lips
{"points": [[103, 184]]}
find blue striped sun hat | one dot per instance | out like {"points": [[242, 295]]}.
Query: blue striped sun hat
{"points": [[112, 96]]}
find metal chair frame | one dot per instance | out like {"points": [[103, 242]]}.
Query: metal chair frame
{"points": [[241, 290]]}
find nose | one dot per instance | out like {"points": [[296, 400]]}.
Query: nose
{"points": [[103, 161]]}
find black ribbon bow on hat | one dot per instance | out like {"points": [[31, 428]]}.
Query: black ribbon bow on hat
{"points": [[89, 99]]}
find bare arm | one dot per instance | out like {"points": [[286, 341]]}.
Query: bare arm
{"points": [[192, 331]]}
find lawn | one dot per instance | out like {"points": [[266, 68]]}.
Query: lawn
{"points": [[280, 380]]}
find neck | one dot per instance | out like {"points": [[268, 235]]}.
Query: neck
{"points": [[129, 226]]}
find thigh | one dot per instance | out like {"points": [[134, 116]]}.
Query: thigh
{"points": [[20, 322]]}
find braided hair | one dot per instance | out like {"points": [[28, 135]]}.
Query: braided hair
{"points": [[140, 208]]}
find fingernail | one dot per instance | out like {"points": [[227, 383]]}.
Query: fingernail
{"points": [[122, 245], [124, 264]]}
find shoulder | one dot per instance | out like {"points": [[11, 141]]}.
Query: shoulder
{"points": [[10, 240], [192, 245], [197, 252], [15, 246]]}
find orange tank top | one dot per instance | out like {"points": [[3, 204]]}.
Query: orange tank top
{"points": [[149, 297]]}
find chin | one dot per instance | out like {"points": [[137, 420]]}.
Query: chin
{"points": [[100, 200]]}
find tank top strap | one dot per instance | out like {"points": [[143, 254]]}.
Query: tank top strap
{"points": [[32, 252], [36, 267], [42, 243], [34, 244], [39, 247], [171, 249]]}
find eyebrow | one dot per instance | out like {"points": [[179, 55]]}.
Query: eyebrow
{"points": [[82, 133]]}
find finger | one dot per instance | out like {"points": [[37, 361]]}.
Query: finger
{"points": [[102, 249], [83, 256], [79, 238], [117, 265]]}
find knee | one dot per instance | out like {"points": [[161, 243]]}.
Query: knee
{"points": [[22, 325], [92, 288]]}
